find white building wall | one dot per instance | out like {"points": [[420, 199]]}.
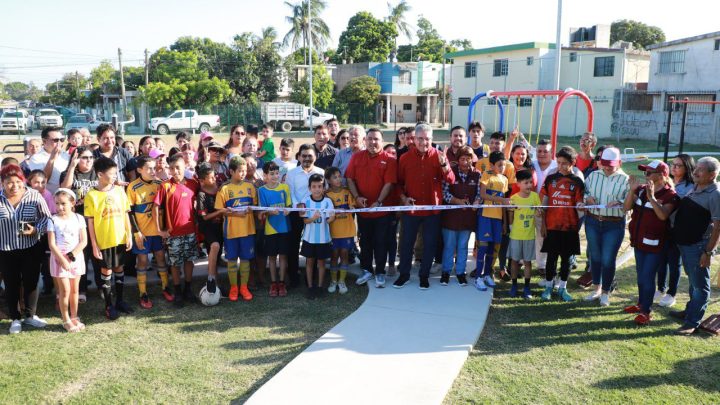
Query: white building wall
{"points": [[701, 70]]}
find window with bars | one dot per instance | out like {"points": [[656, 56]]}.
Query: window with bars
{"points": [[573, 56], [500, 67], [470, 69], [672, 62], [604, 66], [405, 78], [464, 101], [530, 60]]}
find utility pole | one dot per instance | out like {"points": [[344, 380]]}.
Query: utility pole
{"points": [[558, 46], [122, 83], [77, 86], [310, 48], [147, 67]]}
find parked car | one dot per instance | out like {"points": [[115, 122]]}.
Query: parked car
{"points": [[15, 121], [183, 120], [82, 121], [49, 118], [286, 116]]}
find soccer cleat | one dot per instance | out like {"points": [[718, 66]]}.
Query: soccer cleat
{"points": [[15, 327], [111, 313], [489, 281], [342, 288], [145, 302], [124, 307], [35, 321], [332, 287], [401, 281], [364, 278], [233, 294], [282, 290], [526, 293], [424, 283], [643, 319], [462, 280], [245, 293], [564, 295], [480, 284], [211, 286], [604, 300], [380, 281], [444, 278], [513, 291], [632, 309], [169, 297], [273, 289], [667, 301], [547, 294]]}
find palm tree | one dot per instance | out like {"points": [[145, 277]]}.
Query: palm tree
{"points": [[397, 17], [268, 37], [300, 28]]}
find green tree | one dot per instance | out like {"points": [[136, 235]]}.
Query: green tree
{"points": [[183, 66], [166, 95], [212, 56], [363, 90], [640, 34], [299, 57], [322, 89], [208, 92], [367, 39], [20, 91], [67, 91], [396, 16], [269, 64], [463, 44], [300, 33], [430, 46]]}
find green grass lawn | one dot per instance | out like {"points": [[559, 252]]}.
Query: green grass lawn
{"points": [[193, 355], [537, 352]]}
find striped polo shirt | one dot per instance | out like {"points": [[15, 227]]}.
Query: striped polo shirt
{"points": [[32, 209], [606, 189]]}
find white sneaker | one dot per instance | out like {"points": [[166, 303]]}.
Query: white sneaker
{"points": [[380, 281], [35, 322], [366, 276], [593, 296], [15, 327], [332, 287], [556, 282], [667, 301], [342, 288], [435, 268], [604, 300], [658, 296]]}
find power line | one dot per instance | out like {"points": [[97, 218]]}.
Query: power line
{"points": [[56, 52]]}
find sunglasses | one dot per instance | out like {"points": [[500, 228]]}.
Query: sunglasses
{"points": [[56, 140]]}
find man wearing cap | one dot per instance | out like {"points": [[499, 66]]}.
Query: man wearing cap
{"points": [[696, 231], [605, 227], [216, 159]]}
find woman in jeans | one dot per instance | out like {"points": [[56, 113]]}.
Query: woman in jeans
{"points": [[605, 227], [23, 217], [651, 205], [681, 172]]}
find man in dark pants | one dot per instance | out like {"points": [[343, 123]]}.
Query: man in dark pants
{"points": [[371, 174]]}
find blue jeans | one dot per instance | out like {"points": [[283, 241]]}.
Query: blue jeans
{"points": [[647, 265], [671, 266], [603, 239], [699, 278], [430, 233], [455, 241]]}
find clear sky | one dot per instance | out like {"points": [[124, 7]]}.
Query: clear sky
{"points": [[61, 36]]}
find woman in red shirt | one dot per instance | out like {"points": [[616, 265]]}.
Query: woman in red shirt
{"points": [[649, 230], [522, 161]]}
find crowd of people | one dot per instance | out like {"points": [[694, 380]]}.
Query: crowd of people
{"points": [[109, 204]]}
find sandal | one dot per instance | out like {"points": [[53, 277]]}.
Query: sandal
{"points": [[80, 325], [70, 327]]}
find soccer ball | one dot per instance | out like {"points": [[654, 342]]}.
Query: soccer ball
{"points": [[209, 299]]}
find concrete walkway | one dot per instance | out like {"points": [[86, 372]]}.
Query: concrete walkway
{"points": [[401, 346]]}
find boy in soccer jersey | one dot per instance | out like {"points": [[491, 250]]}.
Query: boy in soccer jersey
{"points": [[277, 226], [141, 192], [522, 232], [106, 210], [342, 230], [238, 226], [177, 197], [316, 245], [209, 221]]}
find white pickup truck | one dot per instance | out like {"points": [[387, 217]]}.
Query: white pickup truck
{"points": [[183, 120], [17, 121], [47, 117], [286, 116]]}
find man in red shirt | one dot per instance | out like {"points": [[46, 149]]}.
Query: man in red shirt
{"points": [[420, 177], [371, 174], [177, 197]]}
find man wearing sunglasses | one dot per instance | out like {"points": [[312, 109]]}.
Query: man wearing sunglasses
{"points": [[51, 159]]}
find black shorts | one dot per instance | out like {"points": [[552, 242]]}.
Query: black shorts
{"points": [[113, 257], [277, 244], [318, 251], [564, 243], [260, 240], [211, 233]]}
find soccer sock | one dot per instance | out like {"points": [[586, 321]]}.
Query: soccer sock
{"points": [[142, 281], [527, 283], [343, 273], [233, 272], [244, 272], [107, 288], [334, 274], [487, 271], [119, 286], [482, 251], [563, 284], [162, 272]]}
